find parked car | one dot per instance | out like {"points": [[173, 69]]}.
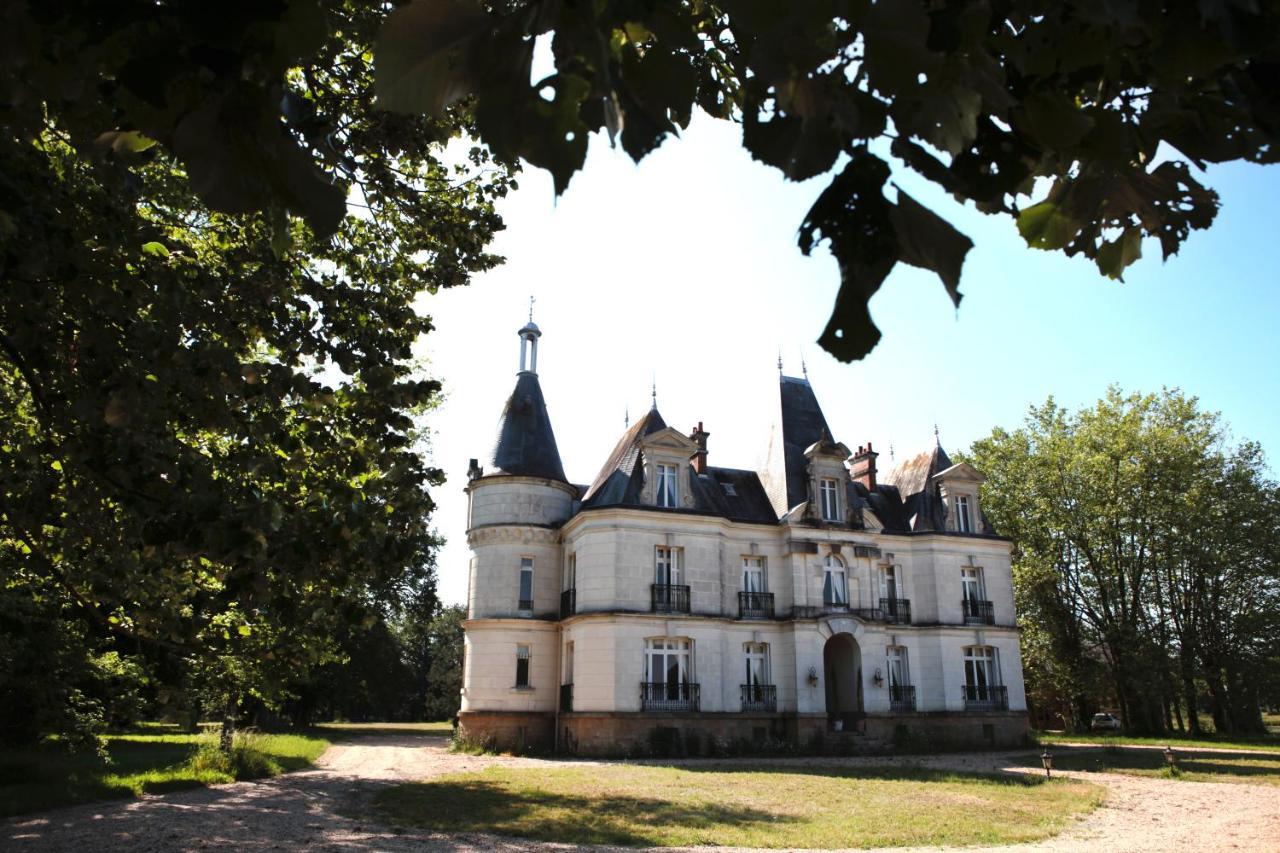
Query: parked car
{"points": [[1105, 723]]}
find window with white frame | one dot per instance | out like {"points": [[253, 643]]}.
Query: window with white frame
{"points": [[827, 490], [668, 660], [889, 585], [667, 565], [753, 574], [757, 660], [835, 592], [981, 668], [971, 584], [899, 675], [523, 656], [526, 583], [963, 522], [668, 495]]}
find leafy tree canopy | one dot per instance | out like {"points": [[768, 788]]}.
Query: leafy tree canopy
{"points": [[994, 101], [208, 448]]}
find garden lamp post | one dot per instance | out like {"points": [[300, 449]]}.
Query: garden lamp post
{"points": [[1170, 757], [1046, 758]]}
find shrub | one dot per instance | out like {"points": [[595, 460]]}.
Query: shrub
{"points": [[246, 760]]}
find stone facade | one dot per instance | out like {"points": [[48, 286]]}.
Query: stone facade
{"points": [[674, 607]]}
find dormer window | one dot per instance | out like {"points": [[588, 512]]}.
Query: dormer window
{"points": [[827, 494], [963, 523], [667, 494]]}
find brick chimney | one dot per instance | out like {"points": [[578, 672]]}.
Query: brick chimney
{"points": [[699, 436], [862, 466]]}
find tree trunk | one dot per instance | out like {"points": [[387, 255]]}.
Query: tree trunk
{"points": [[227, 736], [1189, 696]]}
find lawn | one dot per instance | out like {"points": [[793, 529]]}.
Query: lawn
{"points": [[1193, 765], [1268, 743], [346, 731], [154, 760], [709, 805]]}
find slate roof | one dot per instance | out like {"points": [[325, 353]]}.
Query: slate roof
{"points": [[918, 495], [622, 476], [526, 444], [800, 424]]}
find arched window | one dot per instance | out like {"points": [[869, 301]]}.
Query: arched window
{"points": [[835, 592]]}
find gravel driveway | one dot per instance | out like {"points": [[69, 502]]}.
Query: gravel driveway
{"points": [[322, 810]]}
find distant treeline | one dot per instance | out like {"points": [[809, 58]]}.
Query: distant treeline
{"points": [[1146, 563]]}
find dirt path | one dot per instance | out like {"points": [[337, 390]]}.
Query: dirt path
{"points": [[323, 810]]}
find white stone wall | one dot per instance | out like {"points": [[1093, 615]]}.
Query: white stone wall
{"points": [[489, 665]]}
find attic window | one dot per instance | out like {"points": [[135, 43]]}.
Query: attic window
{"points": [[729, 489]]}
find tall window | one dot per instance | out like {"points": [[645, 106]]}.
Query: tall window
{"points": [[666, 565], [899, 676], [971, 584], [571, 573], [962, 514], [523, 654], [889, 582], [668, 660], [834, 590], [526, 583], [753, 574], [568, 663], [757, 660], [981, 668], [667, 495], [830, 507]]}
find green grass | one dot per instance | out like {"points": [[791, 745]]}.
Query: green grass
{"points": [[716, 805], [1192, 766], [150, 760], [1268, 743]]}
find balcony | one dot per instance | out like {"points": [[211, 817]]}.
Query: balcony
{"points": [[760, 697], [809, 611], [568, 603], [566, 698], [977, 612], [668, 696], [669, 598], [896, 611], [979, 697], [755, 605], [902, 698], [525, 605]]}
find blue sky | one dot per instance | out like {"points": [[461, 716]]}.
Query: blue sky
{"points": [[684, 268]]}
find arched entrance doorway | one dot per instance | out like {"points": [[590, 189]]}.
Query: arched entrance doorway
{"points": [[842, 661]]}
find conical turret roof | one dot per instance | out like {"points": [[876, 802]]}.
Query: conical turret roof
{"points": [[526, 444]]}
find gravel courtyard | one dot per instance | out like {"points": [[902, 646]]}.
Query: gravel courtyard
{"points": [[323, 809]]}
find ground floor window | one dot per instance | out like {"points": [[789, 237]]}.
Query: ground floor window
{"points": [[897, 664], [980, 669], [668, 675], [523, 654], [757, 659]]}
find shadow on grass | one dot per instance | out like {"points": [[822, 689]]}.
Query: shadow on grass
{"points": [[482, 806], [342, 732], [1191, 762]]}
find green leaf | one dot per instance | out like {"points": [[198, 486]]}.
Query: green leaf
{"points": [[928, 241], [424, 55], [155, 249], [124, 141], [1045, 226], [1113, 257], [55, 465], [244, 630]]}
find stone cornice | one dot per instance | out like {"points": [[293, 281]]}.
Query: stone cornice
{"points": [[516, 534]]}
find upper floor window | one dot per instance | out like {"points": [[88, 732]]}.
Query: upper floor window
{"points": [[963, 522], [667, 494], [830, 505], [667, 565], [834, 589], [526, 583], [523, 655], [753, 574], [571, 572], [971, 584]]}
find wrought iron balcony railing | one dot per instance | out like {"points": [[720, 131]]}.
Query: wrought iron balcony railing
{"points": [[668, 696], [566, 698], [568, 603], [760, 697], [755, 605], [978, 612], [526, 604], [896, 610], [670, 598], [979, 697], [902, 697]]}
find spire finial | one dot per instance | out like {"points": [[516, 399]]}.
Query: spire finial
{"points": [[779, 361], [803, 367], [936, 439], [626, 417], [891, 453], [531, 308], [655, 390]]}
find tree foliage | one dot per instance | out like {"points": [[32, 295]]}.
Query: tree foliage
{"points": [[208, 442], [1055, 113], [1147, 550]]}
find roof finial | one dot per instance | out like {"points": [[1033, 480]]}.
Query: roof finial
{"points": [[530, 308], [626, 417], [655, 390], [803, 367], [891, 453], [936, 439], [779, 361]]}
